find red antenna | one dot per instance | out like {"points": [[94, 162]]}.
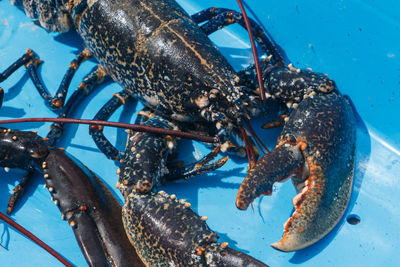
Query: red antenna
{"points": [[32, 237], [253, 48], [260, 84], [134, 127]]}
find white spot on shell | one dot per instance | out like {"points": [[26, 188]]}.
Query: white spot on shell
{"points": [[170, 145], [152, 100]]}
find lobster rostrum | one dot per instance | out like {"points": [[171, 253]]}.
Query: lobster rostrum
{"points": [[161, 57]]}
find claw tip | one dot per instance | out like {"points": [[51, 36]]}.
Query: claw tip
{"points": [[278, 246], [241, 204]]}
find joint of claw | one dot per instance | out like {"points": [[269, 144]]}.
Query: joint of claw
{"points": [[35, 61], [86, 53], [72, 223], [29, 52], [230, 19], [303, 146], [82, 85], [199, 251], [57, 103], [73, 65], [95, 127], [17, 188], [101, 73], [56, 125], [145, 114], [120, 98], [224, 245]]}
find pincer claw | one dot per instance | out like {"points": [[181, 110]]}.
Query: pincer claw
{"points": [[316, 149]]}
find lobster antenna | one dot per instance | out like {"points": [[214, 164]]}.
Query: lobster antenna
{"points": [[253, 48], [32, 237], [256, 138], [134, 127], [249, 151]]}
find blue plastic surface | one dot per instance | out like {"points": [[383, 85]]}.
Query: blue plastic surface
{"points": [[356, 42]]}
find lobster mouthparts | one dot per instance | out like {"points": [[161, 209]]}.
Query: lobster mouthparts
{"points": [[316, 148]]}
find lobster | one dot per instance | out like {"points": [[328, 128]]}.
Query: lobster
{"points": [[94, 214], [218, 98], [84, 201]]}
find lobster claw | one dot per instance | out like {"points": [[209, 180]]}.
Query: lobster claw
{"points": [[317, 148], [166, 232]]}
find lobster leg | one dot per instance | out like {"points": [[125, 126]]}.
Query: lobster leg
{"points": [[61, 94], [26, 57], [202, 166], [218, 18], [86, 87], [18, 191], [31, 61], [145, 165], [104, 114]]}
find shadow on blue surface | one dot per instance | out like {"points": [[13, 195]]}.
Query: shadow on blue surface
{"points": [[71, 39], [16, 89]]}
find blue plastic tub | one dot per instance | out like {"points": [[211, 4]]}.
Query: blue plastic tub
{"points": [[356, 42]]}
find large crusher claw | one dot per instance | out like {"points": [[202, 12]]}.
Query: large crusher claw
{"points": [[316, 149]]}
